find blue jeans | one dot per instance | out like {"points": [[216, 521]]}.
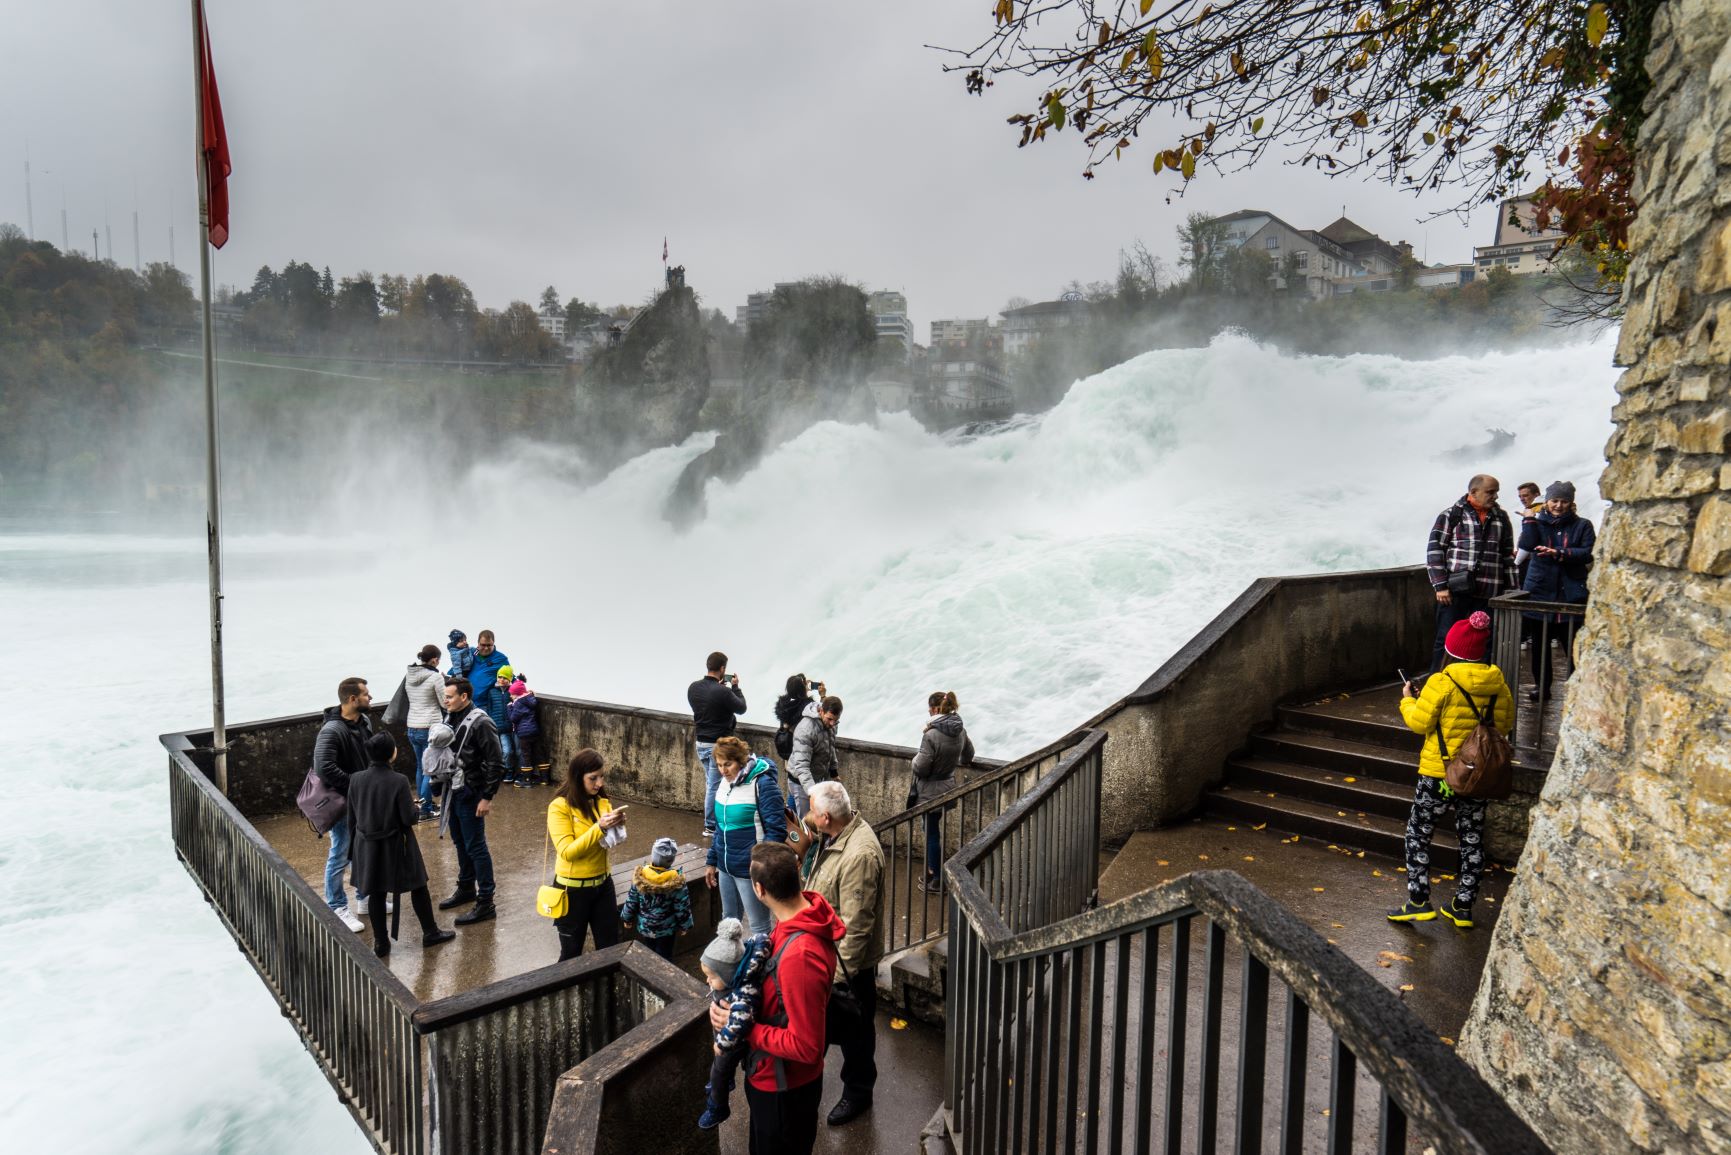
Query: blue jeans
{"points": [[738, 900], [418, 740], [797, 800], [336, 862], [711, 781], [469, 836], [508, 751]]}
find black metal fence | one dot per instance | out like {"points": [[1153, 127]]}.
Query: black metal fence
{"points": [[472, 1072], [1518, 618], [1188, 1013], [912, 916], [353, 1014]]}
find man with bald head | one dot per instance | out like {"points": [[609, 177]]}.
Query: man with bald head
{"points": [[1470, 558]]}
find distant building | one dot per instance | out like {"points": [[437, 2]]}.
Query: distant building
{"points": [[961, 333], [553, 323], [889, 312], [1445, 276], [1317, 262], [756, 305], [1023, 327], [1379, 263], [1518, 244]]}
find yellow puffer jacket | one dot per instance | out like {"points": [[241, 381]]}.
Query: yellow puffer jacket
{"points": [[1441, 700], [577, 841]]}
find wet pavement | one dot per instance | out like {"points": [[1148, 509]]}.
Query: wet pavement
{"points": [[1433, 967], [910, 1057]]}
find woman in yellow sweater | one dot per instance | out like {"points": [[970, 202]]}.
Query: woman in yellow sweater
{"points": [[1449, 709], [578, 820]]}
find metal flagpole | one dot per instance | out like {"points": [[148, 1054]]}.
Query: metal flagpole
{"points": [[212, 464]]}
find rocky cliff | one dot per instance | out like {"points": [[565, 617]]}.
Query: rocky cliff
{"points": [[1605, 1011]]}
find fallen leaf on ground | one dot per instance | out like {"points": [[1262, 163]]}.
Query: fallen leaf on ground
{"points": [[1232, 828], [1317, 889], [1447, 1040], [1161, 862], [1203, 857], [1250, 858], [1325, 1110], [1361, 854], [1352, 779], [1274, 795], [1338, 925], [1389, 957], [1294, 838], [1340, 814], [1376, 874], [898, 1024], [1490, 900], [1260, 826], [1406, 986]]}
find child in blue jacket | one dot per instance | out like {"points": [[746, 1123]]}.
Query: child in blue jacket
{"points": [[733, 965], [658, 902], [523, 714]]}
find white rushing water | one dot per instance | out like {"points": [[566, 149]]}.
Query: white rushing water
{"points": [[1039, 571]]}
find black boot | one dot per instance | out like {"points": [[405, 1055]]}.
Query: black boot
{"points": [[382, 948], [480, 912], [462, 896], [437, 936]]}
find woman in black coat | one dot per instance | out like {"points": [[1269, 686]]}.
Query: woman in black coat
{"points": [[386, 858]]}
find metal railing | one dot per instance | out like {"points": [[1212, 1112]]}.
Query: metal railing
{"points": [[911, 915], [1125, 1027], [1510, 626], [353, 1014], [477, 1071]]}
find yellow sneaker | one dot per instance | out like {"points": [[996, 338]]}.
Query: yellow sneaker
{"points": [[1413, 912], [1461, 917]]}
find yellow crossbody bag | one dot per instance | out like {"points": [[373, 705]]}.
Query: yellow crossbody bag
{"points": [[550, 901]]}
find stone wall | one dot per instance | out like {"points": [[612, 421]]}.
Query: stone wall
{"points": [[1283, 638], [1604, 1013]]}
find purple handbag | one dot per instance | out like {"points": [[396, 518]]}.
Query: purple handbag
{"points": [[323, 807]]}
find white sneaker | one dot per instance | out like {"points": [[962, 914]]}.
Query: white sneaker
{"points": [[348, 919]]}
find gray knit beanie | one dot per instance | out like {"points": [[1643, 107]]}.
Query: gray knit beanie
{"points": [[724, 951], [1560, 491], [662, 851]]}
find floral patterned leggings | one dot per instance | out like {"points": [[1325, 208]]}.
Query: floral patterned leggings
{"points": [[1427, 804]]}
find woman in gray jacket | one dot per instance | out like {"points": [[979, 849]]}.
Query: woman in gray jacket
{"points": [[944, 746]]}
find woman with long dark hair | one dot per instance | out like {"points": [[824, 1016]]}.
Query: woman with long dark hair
{"points": [[944, 745], [578, 820]]}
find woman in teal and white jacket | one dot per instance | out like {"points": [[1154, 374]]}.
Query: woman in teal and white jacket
{"points": [[748, 810]]}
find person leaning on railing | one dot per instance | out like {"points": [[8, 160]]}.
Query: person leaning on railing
{"points": [[944, 745], [578, 820], [1445, 716], [1561, 544]]}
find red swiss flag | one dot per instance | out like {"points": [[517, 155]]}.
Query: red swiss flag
{"points": [[216, 165]]}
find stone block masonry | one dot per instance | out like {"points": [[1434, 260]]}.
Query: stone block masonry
{"points": [[1605, 1011]]}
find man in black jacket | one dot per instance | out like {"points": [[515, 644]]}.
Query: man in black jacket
{"points": [[339, 751], [480, 769], [716, 702]]}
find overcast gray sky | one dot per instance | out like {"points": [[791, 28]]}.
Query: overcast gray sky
{"points": [[524, 142]]}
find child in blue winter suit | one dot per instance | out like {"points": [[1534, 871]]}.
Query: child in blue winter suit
{"points": [[733, 966], [658, 903]]}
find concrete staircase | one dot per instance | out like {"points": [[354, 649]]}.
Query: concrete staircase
{"points": [[1335, 771]]}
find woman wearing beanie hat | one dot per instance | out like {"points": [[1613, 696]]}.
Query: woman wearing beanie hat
{"points": [[1445, 713], [1561, 544]]}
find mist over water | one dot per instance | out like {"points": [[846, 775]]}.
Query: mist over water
{"points": [[1039, 570]]}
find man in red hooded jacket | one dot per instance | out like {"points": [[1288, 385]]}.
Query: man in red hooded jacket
{"points": [[784, 1066]]}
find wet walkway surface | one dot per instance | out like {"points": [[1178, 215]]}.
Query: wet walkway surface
{"points": [[1344, 896], [910, 1057]]}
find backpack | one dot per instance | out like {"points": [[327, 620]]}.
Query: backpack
{"points": [[1483, 765], [784, 742]]}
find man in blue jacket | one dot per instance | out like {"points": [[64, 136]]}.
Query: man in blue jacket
{"points": [[490, 696]]}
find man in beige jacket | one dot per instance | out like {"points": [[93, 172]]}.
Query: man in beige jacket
{"points": [[846, 866]]}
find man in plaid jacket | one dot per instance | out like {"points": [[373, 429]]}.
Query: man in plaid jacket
{"points": [[1473, 542]]}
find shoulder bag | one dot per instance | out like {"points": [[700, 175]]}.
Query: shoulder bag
{"points": [[552, 900]]}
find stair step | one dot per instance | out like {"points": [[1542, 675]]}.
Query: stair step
{"points": [[1387, 731], [1289, 780], [1338, 755], [1373, 833]]}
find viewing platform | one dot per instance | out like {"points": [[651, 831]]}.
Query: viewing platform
{"points": [[1019, 1007]]}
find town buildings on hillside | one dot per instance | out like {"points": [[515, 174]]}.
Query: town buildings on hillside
{"points": [[889, 312]]}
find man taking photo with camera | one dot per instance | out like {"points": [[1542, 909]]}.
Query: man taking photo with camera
{"points": [[716, 703]]}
